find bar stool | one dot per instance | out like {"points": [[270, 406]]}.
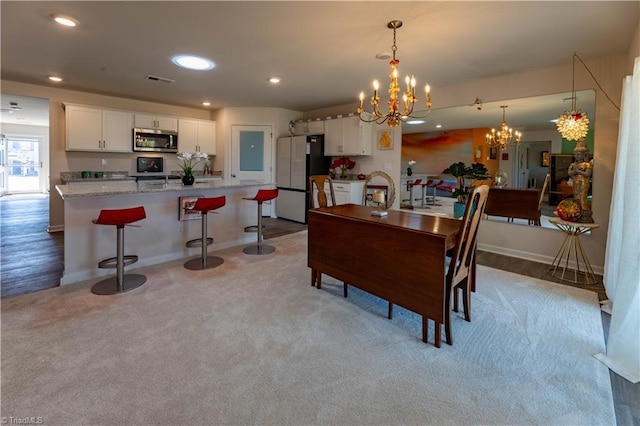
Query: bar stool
{"points": [[410, 185], [432, 183], [262, 196], [121, 282], [204, 205]]}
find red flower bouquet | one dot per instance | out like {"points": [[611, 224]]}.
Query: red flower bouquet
{"points": [[344, 163]]}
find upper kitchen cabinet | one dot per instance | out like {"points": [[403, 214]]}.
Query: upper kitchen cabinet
{"points": [[197, 136], [347, 136], [96, 129], [148, 121], [315, 127]]}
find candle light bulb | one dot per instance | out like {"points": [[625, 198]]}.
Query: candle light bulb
{"points": [[375, 85], [427, 89]]}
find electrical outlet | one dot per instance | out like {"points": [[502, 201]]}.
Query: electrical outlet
{"points": [[104, 161]]}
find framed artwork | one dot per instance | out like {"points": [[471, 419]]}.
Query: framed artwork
{"points": [[545, 159], [185, 208], [505, 156], [493, 153], [385, 139]]}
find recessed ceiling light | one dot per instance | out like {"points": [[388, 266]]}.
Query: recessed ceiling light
{"points": [[383, 55], [67, 21], [205, 103], [274, 80], [54, 78], [193, 62], [438, 126], [415, 122]]}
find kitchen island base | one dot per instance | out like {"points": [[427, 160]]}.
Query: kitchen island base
{"points": [[159, 238]]}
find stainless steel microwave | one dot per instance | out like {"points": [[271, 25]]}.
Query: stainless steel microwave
{"points": [[154, 140]]}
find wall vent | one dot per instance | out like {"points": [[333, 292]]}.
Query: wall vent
{"points": [[161, 79]]}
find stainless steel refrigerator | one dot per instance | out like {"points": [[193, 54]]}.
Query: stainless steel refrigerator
{"points": [[298, 157]]}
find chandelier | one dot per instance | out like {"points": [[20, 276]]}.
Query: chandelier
{"points": [[393, 116], [504, 137], [573, 125]]}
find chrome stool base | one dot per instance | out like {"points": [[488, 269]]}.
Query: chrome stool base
{"points": [[197, 264], [110, 285], [261, 249]]}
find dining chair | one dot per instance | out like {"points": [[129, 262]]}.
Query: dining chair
{"points": [[319, 182], [461, 266], [319, 197], [536, 222]]}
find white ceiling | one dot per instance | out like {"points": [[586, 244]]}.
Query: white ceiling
{"points": [[324, 52]]}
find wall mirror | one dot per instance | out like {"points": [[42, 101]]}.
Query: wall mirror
{"points": [[453, 134]]}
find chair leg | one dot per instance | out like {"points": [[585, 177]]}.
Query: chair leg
{"points": [[345, 289], [390, 311], [314, 276], [318, 280]]}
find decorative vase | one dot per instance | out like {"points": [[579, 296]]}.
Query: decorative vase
{"points": [[458, 209], [188, 180], [409, 171]]}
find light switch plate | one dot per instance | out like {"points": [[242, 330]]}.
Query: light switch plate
{"points": [[104, 161]]}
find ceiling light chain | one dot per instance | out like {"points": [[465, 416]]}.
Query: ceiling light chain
{"points": [[394, 116], [505, 136]]}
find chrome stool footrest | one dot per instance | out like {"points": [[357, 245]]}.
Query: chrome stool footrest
{"points": [[197, 242], [253, 228], [112, 262]]}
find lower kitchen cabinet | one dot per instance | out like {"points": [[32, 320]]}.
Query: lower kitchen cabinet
{"points": [[346, 192]]}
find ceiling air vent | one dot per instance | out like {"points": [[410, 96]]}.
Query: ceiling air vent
{"points": [[161, 79]]}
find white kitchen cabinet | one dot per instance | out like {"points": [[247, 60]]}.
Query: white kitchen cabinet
{"points": [[95, 129], [348, 136], [315, 127], [149, 121], [197, 136], [346, 192]]}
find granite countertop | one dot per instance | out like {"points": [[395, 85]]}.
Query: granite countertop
{"points": [[119, 176], [90, 189]]}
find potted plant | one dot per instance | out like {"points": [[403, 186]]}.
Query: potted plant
{"points": [[465, 177], [187, 161], [344, 164]]}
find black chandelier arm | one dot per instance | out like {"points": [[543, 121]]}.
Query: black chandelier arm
{"points": [[575, 55]]}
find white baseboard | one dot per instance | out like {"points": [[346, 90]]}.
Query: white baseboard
{"points": [[534, 257], [55, 228]]}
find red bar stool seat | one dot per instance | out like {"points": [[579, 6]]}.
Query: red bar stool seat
{"points": [[262, 196], [121, 282], [204, 205]]}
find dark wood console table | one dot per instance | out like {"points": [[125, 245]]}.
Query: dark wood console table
{"points": [[399, 258], [514, 203]]}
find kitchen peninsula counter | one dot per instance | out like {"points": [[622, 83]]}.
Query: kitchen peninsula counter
{"points": [[162, 235], [93, 188]]}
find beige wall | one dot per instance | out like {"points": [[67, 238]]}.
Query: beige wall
{"points": [[522, 241]]}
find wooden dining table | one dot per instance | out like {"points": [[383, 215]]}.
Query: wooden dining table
{"points": [[399, 257]]}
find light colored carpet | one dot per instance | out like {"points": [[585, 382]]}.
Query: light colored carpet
{"points": [[251, 342]]}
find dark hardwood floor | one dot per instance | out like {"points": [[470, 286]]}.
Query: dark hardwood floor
{"points": [[32, 259]]}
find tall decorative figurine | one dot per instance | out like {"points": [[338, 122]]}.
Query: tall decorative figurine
{"points": [[580, 172]]}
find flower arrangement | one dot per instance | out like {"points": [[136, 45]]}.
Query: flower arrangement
{"points": [[344, 164], [410, 168], [188, 160]]}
